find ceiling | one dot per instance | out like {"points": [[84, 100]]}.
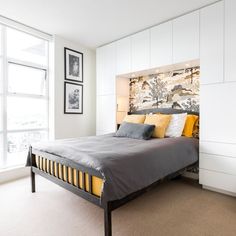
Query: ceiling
{"points": [[95, 22]]}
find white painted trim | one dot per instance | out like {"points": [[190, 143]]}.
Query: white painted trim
{"points": [[51, 87], [7, 175], [219, 190], [27, 29], [26, 130]]}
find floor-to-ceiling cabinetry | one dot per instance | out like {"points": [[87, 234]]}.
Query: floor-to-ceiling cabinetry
{"points": [[218, 97], [208, 34]]}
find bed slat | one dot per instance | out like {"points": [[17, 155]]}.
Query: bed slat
{"points": [[90, 183], [66, 174], [52, 167]]}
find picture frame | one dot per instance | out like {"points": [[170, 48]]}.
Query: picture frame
{"points": [[73, 98], [73, 63]]}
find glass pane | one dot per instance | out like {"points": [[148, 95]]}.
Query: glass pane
{"points": [[0, 40], [25, 47], [18, 144], [27, 80], [26, 113], [1, 113], [1, 76], [1, 150]]}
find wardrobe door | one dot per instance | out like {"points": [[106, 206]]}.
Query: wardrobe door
{"points": [[161, 45], [212, 43], [140, 48], [186, 37], [106, 69], [123, 56], [230, 40]]}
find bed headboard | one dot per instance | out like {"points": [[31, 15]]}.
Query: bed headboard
{"points": [[164, 111]]}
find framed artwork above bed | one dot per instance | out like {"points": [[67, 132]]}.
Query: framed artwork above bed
{"points": [[73, 65], [73, 98]]}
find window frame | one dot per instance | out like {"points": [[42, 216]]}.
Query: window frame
{"points": [[5, 93]]}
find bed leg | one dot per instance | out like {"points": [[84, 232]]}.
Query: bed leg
{"points": [[32, 181], [32, 174], [107, 220]]}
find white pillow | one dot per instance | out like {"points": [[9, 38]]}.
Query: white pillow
{"points": [[176, 125]]}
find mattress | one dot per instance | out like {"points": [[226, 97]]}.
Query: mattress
{"points": [[126, 165]]}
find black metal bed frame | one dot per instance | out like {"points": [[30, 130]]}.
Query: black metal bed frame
{"points": [[82, 192], [87, 195]]}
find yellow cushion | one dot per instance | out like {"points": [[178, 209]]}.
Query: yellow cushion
{"points": [[189, 125], [160, 121], [196, 129], [138, 119]]}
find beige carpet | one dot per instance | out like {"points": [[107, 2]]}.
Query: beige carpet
{"points": [[174, 208]]}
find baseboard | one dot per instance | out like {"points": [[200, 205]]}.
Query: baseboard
{"points": [[219, 191], [14, 174]]}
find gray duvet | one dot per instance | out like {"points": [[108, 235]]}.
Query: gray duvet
{"points": [[127, 165]]}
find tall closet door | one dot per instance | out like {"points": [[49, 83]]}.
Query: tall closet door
{"points": [[106, 69], [106, 77]]}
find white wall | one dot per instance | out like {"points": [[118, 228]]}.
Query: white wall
{"points": [[74, 125]]}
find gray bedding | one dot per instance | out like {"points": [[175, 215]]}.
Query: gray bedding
{"points": [[127, 165]]}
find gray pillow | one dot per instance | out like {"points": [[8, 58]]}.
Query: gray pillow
{"points": [[136, 131]]}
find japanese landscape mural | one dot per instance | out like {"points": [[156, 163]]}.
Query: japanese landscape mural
{"points": [[177, 89]]}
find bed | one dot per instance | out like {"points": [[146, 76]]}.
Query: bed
{"points": [[110, 171]]}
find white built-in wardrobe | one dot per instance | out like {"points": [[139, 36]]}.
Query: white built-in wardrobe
{"points": [[208, 34]]}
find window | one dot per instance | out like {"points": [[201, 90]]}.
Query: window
{"points": [[23, 94]]}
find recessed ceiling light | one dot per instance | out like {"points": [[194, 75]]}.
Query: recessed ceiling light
{"points": [[187, 65]]}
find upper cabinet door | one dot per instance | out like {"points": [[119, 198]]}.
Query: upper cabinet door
{"points": [[140, 48], [186, 37], [106, 69], [161, 45], [123, 56], [212, 43], [230, 40]]}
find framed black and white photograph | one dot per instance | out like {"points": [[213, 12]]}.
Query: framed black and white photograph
{"points": [[73, 98], [73, 65]]}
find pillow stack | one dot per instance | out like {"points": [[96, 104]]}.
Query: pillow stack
{"points": [[174, 125]]}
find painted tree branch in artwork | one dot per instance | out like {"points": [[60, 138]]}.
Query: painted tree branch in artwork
{"points": [[174, 89]]}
